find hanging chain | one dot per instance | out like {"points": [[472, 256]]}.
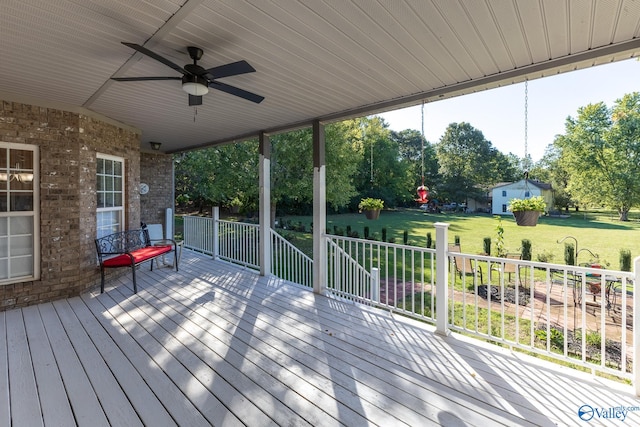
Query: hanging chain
{"points": [[526, 117], [422, 144], [371, 164]]}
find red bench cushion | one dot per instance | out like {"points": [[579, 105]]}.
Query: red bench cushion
{"points": [[139, 255]]}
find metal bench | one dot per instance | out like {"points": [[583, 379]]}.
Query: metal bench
{"points": [[129, 249]]}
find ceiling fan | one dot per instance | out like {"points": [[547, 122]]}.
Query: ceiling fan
{"points": [[196, 80]]}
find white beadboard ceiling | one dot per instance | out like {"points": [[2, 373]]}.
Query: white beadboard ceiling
{"points": [[315, 59]]}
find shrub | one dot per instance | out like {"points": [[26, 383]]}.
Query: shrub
{"points": [[556, 339], [625, 260], [486, 244], [526, 249], [569, 254], [429, 240], [366, 232], [544, 256], [384, 234], [405, 237]]}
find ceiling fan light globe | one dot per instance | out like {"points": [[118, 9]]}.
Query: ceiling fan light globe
{"points": [[195, 89], [195, 85]]}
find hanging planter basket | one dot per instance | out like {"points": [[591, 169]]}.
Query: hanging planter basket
{"points": [[371, 207], [372, 213], [526, 218]]}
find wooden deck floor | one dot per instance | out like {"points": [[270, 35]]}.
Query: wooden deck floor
{"points": [[218, 345]]}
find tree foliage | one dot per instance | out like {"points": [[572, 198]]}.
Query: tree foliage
{"points": [[217, 175], [420, 157], [382, 173], [467, 162], [601, 152]]}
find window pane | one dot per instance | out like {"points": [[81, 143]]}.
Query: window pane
{"points": [[100, 166], [22, 266], [21, 245], [21, 202], [21, 225], [108, 183], [117, 200], [4, 206], [108, 200], [4, 222], [117, 169], [4, 247], [117, 183], [4, 268], [108, 167], [100, 183]]}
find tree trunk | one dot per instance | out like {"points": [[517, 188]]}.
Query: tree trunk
{"points": [[624, 214]]}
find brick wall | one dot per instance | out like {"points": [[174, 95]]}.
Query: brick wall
{"points": [[156, 170], [69, 143]]}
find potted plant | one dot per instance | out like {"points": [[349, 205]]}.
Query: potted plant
{"points": [[234, 205], [527, 211], [371, 207]]}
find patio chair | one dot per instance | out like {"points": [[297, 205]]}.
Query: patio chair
{"points": [[509, 267], [465, 265]]}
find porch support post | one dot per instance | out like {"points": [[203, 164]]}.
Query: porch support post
{"points": [[215, 214], [442, 278], [636, 326], [265, 204], [319, 209]]}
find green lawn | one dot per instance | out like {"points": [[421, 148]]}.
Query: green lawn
{"points": [[599, 232]]}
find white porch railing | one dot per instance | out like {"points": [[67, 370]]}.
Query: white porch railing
{"points": [[405, 275], [198, 234], [581, 315], [238, 242], [290, 263]]}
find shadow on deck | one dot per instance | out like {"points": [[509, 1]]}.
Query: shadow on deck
{"points": [[215, 344]]}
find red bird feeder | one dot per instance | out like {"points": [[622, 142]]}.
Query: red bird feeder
{"points": [[423, 193]]}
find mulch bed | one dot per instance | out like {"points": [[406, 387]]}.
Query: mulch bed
{"points": [[508, 295]]}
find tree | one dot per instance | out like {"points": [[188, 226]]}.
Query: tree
{"points": [[410, 144], [292, 165], [550, 169], [601, 151], [217, 175], [467, 161], [382, 173]]}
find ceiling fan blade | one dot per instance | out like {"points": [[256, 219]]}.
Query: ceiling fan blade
{"points": [[236, 91], [233, 69], [140, 79], [150, 54], [195, 100]]}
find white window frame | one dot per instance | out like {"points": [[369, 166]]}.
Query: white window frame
{"points": [[118, 225], [34, 214]]}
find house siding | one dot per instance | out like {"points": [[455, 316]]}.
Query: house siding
{"points": [[68, 144], [516, 190]]}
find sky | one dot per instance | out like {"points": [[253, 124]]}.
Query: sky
{"points": [[499, 113]]}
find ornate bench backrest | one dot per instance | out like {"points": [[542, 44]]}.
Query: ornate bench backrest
{"points": [[123, 241]]}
